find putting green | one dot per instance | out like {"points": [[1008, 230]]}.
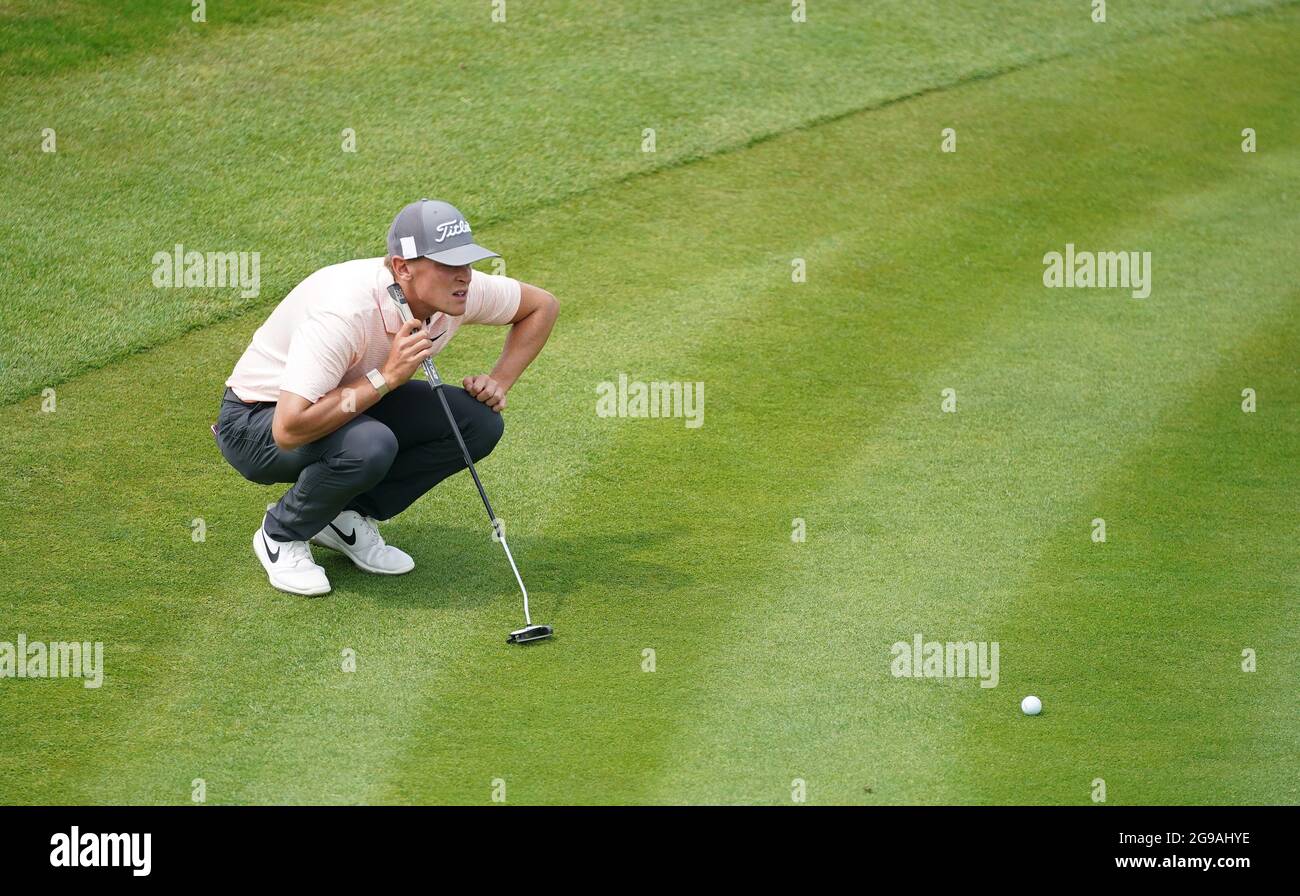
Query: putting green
{"points": [[822, 403]]}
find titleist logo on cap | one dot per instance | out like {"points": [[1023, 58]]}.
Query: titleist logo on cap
{"points": [[451, 228]]}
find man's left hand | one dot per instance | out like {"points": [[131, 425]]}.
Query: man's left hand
{"points": [[486, 390]]}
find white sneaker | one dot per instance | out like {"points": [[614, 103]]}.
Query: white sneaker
{"points": [[358, 537], [289, 565]]}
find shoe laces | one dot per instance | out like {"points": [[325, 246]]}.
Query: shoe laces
{"points": [[372, 526], [297, 552]]}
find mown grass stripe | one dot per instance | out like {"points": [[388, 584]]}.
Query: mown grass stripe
{"points": [[638, 536], [142, 137]]}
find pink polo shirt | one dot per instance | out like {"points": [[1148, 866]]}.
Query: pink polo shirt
{"points": [[339, 323]]}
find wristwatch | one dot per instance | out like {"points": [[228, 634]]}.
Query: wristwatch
{"points": [[377, 380]]}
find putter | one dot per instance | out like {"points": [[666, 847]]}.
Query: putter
{"points": [[529, 632]]}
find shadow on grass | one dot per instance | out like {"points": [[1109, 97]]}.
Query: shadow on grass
{"points": [[460, 567]]}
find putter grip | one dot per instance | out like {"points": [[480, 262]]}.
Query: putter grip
{"points": [[399, 299]]}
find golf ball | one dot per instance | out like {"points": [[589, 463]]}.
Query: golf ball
{"points": [[1031, 705]]}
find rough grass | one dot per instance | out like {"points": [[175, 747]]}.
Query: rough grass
{"points": [[226, 135]]}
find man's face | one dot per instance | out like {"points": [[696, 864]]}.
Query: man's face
{"points": [[432, 286]]}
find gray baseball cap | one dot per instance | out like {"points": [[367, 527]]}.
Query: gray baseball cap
{"points": [[433, 229]]}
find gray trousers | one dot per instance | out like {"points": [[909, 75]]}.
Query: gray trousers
{"points": [[378, 463]]}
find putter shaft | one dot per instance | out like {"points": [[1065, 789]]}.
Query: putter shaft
{"points": [[436, 384]]}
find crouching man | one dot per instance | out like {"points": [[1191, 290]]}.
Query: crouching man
{"points": [[322, 396]]}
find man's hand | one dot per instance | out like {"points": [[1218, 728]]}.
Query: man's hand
{"points": [[410, 347], [486, 390], [528, 332]]}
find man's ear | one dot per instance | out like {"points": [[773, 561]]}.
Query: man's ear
{"points": [[401, 270]]}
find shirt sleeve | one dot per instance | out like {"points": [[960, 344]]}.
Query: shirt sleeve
{"points": [[322, 350], [492, 299]]}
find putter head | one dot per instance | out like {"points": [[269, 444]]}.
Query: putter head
{"points": [[530, 633]]}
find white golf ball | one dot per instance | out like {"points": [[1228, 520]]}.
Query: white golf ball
{"points": [[1031, 705]]}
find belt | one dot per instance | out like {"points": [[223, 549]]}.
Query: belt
{"points": [[231, 396]]}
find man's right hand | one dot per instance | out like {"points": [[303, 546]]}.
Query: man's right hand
{"points": [[298, 421], [411, 346]]}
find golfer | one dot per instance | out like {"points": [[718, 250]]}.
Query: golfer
{"points": [[322, 396]]}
